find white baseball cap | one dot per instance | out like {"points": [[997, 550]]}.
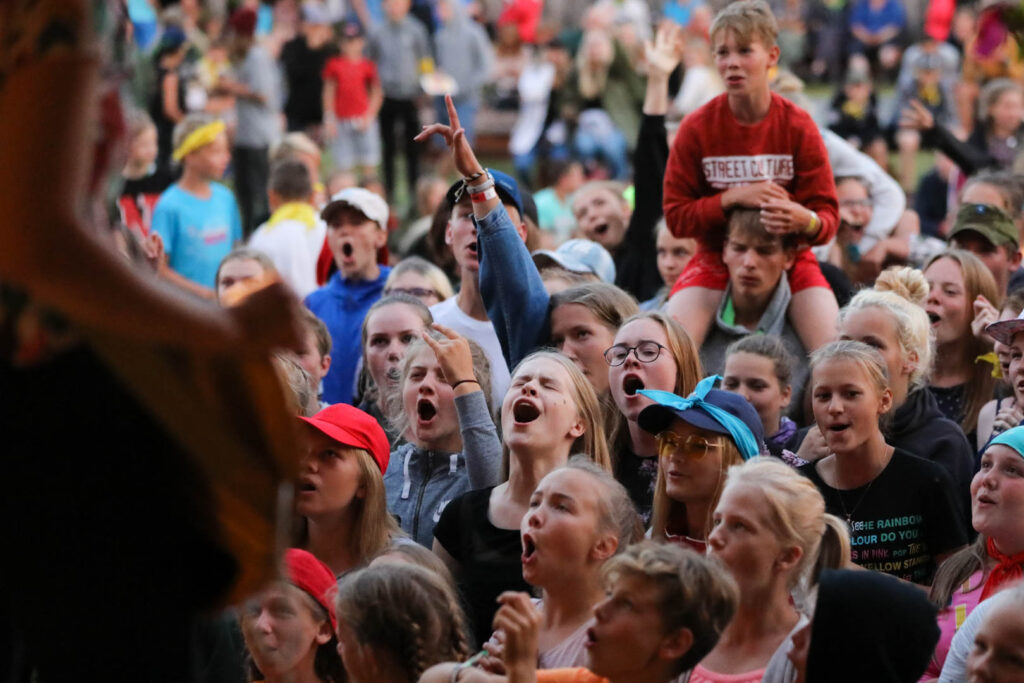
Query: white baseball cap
{"points": [[368, 203]]}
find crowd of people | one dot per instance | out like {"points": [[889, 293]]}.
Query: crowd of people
{"points": [[636, 362]]}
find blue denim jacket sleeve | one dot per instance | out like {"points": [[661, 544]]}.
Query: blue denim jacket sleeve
{"points": [[510, 285]]}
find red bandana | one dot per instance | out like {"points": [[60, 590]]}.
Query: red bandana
{"points": [[1007, 570]]}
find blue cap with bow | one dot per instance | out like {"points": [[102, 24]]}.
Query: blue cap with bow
{"points": [[709, 409]]}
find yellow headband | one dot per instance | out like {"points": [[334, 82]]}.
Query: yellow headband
{"points": [[200, 137]]}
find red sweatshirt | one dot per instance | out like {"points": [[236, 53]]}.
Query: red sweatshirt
{"points": [[713, 152]]}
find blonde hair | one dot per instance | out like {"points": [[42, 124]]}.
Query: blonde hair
{"points": [[374, 527], [688, 367], [481, 370], [405, 613], [901, 292], [609, 304], [189, 125], [294, 143], [978, 280], [368, 389], [797, 517], [750, 20], [668, 513], [301, 392], [440, 283], [616, 512], [592, 443], [869, 359], [694, 592]]}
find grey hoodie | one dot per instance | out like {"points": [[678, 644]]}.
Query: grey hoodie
{"points": [[420, 483], [773, 321]]}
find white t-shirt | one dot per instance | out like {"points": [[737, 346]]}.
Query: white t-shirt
{"points": [[294, 248], [482, 332]]}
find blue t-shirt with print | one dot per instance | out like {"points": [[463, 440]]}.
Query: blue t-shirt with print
{"points": [[198, 233]]}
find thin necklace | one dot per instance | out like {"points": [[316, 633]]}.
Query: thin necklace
{"points": [[849, 513]]}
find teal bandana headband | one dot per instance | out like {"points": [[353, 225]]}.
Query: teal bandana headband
{"points": [[737, 428]]}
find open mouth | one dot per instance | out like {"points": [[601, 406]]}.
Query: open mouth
{"points": [[632, 384], [346, 249], [306, 487], [591, 637], [472, 246], [933, 317], [425, 410], [836, 428], [601, 229], [525, 411], [529, 547]]}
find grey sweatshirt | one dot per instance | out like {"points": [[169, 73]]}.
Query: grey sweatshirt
{"points": [[398, 48], [420, 483], [464, 52], [773, 321]]}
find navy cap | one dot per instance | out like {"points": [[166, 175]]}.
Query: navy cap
{"points": [[656, 418], [506, 187]]}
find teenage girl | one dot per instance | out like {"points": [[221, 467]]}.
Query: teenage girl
{"points": [[699, 438], [340, 506], [391, 324], [958, 284], [889, 318], [549, 413], [651, 351], [452, 445], [901, 510], [997, 555], [289, 628], [772, 533], [758, 367], [579, 517], [395, 621]]}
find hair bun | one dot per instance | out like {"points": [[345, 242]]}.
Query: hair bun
{"points": [[907, 282]]}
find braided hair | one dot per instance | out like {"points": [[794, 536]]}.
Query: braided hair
{"points": [[407, 614]]}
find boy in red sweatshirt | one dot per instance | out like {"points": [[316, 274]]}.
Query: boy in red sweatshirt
{"points": [[750, 148]]}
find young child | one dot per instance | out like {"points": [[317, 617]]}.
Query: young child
{"points": [[853, 116], [870, 484], [356, 228], [197, 218], [760, 369], [750, 147], [340, 508], [294, 234], [144, 180], [315, 356], [352, 99], [395, 621], [289, 628], [452, 443], [665, 609]]}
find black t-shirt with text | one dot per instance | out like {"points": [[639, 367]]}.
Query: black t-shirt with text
{"points": [[902, 520]]}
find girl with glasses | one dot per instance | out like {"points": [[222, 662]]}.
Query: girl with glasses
{"points": [[697, 438], [651, 351], [420, 278]]}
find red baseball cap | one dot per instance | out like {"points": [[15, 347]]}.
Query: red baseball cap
{"points": [[350, 426], [313, 576], [243, 21]]}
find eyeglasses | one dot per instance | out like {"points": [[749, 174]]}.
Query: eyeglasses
{"points": [[692, 447], [645, 352], [418, 292]]}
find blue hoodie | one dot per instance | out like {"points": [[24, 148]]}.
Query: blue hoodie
{"points": [[342, 305]]}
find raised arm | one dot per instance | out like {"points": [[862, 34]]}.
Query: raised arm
{"points": [[637, 267], [481, 446], [516, 301]]}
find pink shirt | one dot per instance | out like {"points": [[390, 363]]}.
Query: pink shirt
{"points": [[964, 600], [702, 675]]}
